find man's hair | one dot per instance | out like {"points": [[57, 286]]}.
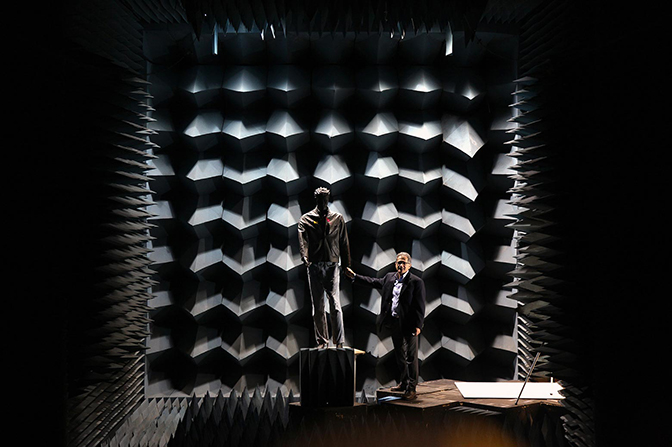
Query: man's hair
{"points": [[321, 191], [403, 253]]}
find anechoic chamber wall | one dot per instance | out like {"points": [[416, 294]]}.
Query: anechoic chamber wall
{"points": [[411, 141]]}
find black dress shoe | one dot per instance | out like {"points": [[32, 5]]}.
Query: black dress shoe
{"points": [[398, 388], [409, 395]]}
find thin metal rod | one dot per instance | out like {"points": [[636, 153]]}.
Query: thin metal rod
{"points": [[536, 357]]}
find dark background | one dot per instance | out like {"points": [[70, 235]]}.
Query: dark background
{"points": [[614, 211], [614, 214]]}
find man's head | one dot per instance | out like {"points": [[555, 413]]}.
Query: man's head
{"points": [[403, 263], [322, 198]]}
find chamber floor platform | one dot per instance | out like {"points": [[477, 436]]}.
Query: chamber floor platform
{"points": [[444, 393]]}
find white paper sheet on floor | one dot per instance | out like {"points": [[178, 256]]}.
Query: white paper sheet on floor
{"points": [[509, 390]]}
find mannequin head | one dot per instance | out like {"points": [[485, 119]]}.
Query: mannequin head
{"points": [[322, 199]]}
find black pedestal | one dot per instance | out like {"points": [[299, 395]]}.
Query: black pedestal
{"points": [[327, 377]]}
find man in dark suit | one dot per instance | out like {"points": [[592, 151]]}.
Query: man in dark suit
{"points": [[402, 314]]}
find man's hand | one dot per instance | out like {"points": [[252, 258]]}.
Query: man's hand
{"points": [[349, 273], [417, 331]]}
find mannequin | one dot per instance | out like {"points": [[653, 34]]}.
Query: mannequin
{"points": [[323, 241]]}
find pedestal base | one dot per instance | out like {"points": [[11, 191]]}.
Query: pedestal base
{"points": [[327, 377]]}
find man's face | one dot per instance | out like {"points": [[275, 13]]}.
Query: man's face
{"points": [[403, 264]]}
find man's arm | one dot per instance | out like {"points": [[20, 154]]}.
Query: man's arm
{"points": [[418, 305], [361, 279]]}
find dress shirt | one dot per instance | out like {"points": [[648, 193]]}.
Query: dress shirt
{"points": [[395, 293]]}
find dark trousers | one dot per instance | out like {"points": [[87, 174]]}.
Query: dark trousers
{"points": [[405, 351]]}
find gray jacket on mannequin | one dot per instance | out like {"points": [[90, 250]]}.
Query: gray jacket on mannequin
{"points": [[324, 238]]}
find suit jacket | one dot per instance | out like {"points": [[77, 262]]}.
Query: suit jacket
{"points": [[411, 308]]}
